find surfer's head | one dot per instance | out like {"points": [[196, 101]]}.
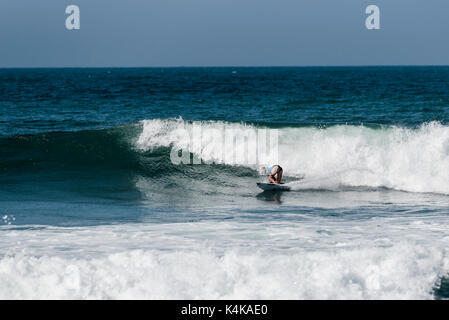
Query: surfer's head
{"points": [[263, 170]]}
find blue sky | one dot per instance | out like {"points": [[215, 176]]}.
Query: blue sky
{"points": [[223, 33]]}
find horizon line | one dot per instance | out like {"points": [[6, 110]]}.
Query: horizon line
{"points": [[230, 66]]}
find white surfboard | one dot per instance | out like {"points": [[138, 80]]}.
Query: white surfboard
{"points": [[273, 186]]}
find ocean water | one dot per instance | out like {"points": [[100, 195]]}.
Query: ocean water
{"points": [[92, 206]]}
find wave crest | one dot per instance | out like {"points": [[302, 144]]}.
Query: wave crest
{"points": [[415, 160]]}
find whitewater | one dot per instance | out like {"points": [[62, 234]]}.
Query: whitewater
{"points": [[225, 260]]}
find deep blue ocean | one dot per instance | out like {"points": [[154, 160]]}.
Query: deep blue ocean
{"points": [[93, 207]]}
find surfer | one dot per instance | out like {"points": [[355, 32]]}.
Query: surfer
{"points": [[274, 173]]}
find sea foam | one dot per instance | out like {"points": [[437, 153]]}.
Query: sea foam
{"points": [[399, 272], [384, 258]]}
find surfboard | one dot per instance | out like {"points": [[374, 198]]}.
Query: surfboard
{"points": [[273, 187]]}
